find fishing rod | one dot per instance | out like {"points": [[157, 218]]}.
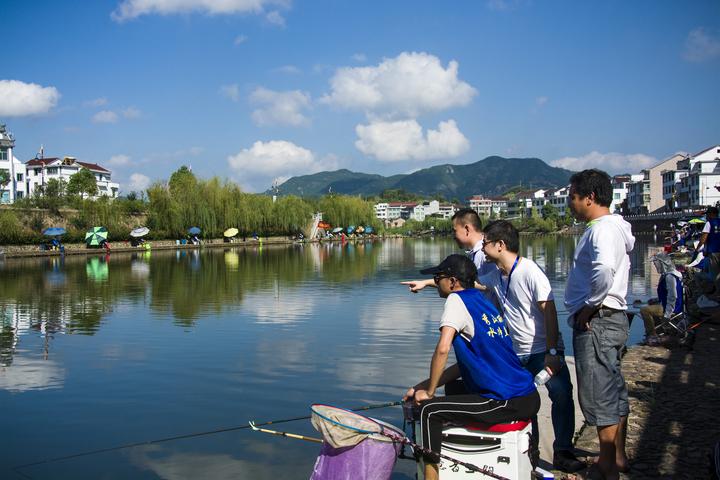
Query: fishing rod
{"points": [[189, 435], [285, 434]]}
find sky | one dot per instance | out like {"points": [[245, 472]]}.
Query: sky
{"points": [[258, 91]]}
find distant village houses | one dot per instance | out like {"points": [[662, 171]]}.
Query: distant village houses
{"points": [[29, 178]]}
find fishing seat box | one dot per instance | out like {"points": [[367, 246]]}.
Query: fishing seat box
{"points": [[502, 448]]}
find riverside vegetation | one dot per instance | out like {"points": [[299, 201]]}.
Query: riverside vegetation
{"points": [[170, 208]]}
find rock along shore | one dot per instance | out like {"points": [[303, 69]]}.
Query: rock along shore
{"points": [[674, 408]]}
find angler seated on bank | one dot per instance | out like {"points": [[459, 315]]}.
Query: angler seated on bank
{"points": [[487, 384]]}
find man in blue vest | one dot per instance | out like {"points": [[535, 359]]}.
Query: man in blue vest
{"points": [[710, 237], [495, 388]]}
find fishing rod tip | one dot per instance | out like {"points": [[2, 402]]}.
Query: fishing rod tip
{"points": [[252, 425]]}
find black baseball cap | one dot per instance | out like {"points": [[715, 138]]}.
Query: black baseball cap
{"points": [[455, 265]]}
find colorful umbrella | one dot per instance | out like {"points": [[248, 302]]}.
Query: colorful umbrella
{"points": [[53, 231], [230, 232], [337, 229], [194, 231], [140, 232], [96, 236], [697, 220], [369, 229]]}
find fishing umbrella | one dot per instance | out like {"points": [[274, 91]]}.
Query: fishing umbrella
{"points": [[230, 232], [194, 231], [369, 229], [350, 229], [360, 229], [697, 220], [681, 223], [140, 232], [96, 236], [53, 231], [337, 229]]}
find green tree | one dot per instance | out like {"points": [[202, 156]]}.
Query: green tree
{"points": [[4, 177], [548, 211], [83, 182], [182, 181]]}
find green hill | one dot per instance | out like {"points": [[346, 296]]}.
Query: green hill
{"points": [[490, 176]]}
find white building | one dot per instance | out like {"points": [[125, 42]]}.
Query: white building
{"points": [[15, 188], [381, 211], [638, 193], [524, 202], [704, 178], [499, 206], [482, 205], [558, 198], [447, 210], [41, 170], [694, 182], [620, 185], [425, 209]]}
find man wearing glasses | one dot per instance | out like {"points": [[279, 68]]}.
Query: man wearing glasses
{"points": [[522, 293], [494, 388]]}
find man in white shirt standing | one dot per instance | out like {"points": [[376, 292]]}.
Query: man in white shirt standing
{"points": [[523, 295], [595, 298]]}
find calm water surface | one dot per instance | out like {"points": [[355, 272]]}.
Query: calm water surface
{"points": [[97, 352]]}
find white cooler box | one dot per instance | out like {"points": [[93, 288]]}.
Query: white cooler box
{"points": [[502, 449]]}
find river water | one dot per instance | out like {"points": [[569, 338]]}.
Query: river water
{"points": [[97, 352]]}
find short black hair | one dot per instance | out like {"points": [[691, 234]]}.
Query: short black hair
{"points": [[468, 216], [595, 182], [712, 211], [505, 231]]}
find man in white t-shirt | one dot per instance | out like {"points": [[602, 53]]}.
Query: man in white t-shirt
{"points": [[468, 234], [522, 292]]}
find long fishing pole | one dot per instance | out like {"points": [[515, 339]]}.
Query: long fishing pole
{"points": [[189, 435]]}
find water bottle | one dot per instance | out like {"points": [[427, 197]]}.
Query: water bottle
{"points": [[542, 377]]}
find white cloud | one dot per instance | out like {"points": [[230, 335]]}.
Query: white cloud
{"points": [[230, 91], [264, 161], [138, 182], [279, 108], [18, 98], [275, 18], [131, 112], [505, 5], [97, 102], [701, 45], [611, 162], [129, 9], [359, 57], [240, 39], [119, 160], [289, 70], [409, 84], [105, 116], [540, 101], [404, 140]]}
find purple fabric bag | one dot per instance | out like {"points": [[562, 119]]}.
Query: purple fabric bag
{"points": [[368, 460]]}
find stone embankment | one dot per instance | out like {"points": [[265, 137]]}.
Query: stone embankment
{"points": [[674, 402]]}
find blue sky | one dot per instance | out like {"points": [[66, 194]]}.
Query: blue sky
{"points": [[261, 90]]}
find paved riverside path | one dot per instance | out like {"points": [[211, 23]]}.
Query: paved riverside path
{"points": [[674, 408]]}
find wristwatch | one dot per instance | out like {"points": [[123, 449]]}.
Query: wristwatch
{"points": [[552, 352]]}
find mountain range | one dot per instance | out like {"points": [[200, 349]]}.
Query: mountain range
{"points": [[491, 176]]}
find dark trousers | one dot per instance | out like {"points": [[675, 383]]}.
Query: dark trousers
{"points": [[463, 408]]}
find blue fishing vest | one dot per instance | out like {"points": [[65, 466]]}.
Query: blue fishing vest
{"points": [[663, 292], [712, 244], [488, 364]]}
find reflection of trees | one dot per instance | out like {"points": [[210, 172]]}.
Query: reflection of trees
{"points": [[190, 284], [56, 295], [72, 295]]}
